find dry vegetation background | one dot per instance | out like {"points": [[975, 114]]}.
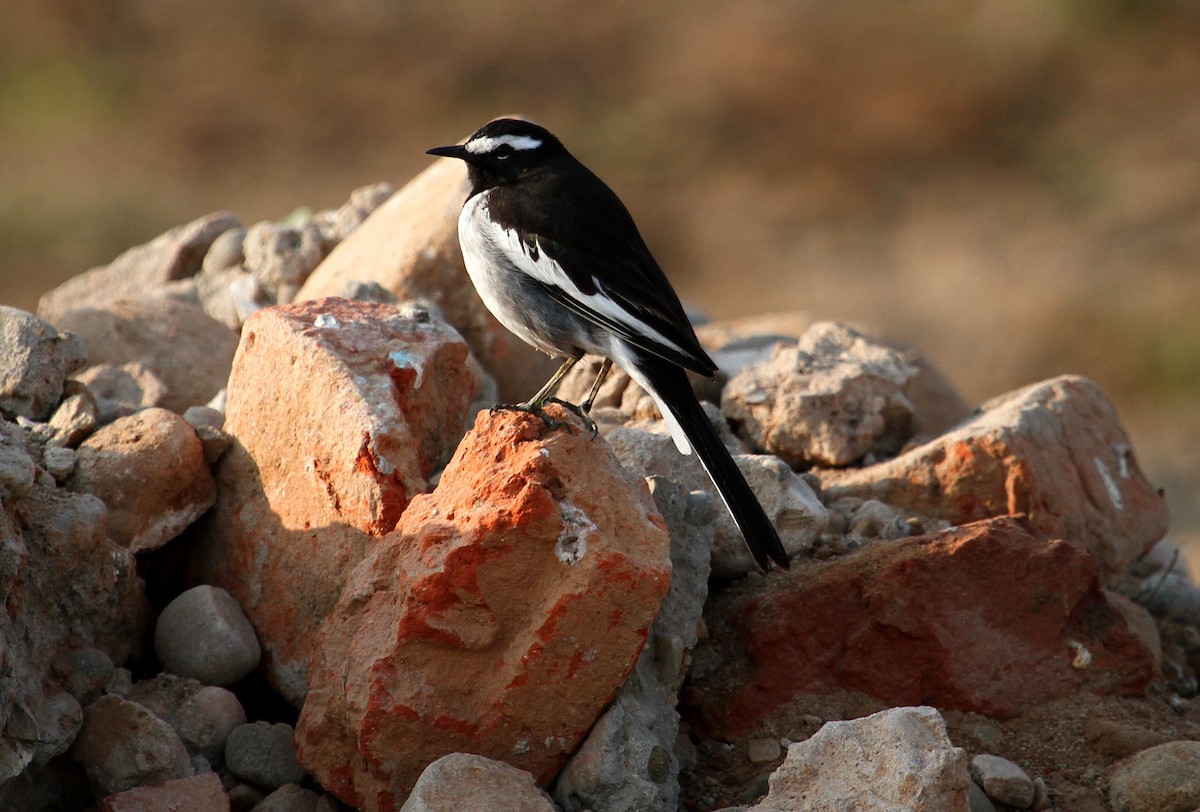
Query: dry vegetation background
{"points": [[1011, 185]]}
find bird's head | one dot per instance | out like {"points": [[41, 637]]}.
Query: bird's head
{"points": [[504, 150]]}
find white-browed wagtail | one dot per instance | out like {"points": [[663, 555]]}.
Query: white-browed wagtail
{"points": [[557, 259]]}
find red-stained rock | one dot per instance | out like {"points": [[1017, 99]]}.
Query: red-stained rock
{"points": [[1054, 452], [986, 618], [202, 793], [409, 245], [339, 412], [499, 618]]}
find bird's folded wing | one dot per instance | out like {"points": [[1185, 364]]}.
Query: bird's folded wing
{"points": [[622, 292]]}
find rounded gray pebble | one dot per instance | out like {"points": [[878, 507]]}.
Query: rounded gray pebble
{"points": [[263, 754], [84, 672], [1002, 780], [289, 798], [203, 634]]}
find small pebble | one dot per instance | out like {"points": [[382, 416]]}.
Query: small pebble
{"points": [[978, 801], [84, 672], [59, 462], [289, 798], [263, 754], [1003, 781], [764, 751], [244, 797], [1041, 795]]}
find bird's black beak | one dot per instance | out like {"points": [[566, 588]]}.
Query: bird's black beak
{"points": [[455, 151]]}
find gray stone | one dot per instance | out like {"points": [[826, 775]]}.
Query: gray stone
{"points": [[336, 224], [84, 671], [225, 252], [36, 361], [830, 400], [202, 715], [122, 389], [360, 291], [462, 781], [1165, 778], [229, 295], [140, 271], [17, 469], [76, 416], [209, 423], [263, 754], [204, 634], [1002, 780], [628, 760], [289, 798], [978, 801], [123, 745], [763, 751], [281, 256], [59, 462], [244, 797], [899, 758], [787, 498], [59, 717]]}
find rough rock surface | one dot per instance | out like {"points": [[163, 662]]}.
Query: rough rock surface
{"points": [[1165, 778], [122, 390], [149, 469], [365, 402], [829, 400], [899, 758], [140, 271], [263, 755], [1054, 452], [460, 781], [985, 618], [187, 350], [202, 715], [628, 760], [123, 745], [409, 245], [95, 602], [36, 360], [789, 502], [499, 618]]}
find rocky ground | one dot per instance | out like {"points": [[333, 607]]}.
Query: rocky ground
{"points": [[265, 548]]}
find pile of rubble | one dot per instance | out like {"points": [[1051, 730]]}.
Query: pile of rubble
{"points": [[264, 547]]}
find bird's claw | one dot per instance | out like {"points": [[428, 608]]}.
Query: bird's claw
{"points": [[533, 409], [581, 412]]}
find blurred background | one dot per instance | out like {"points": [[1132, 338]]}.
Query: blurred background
{"points": [[1011, 185]]}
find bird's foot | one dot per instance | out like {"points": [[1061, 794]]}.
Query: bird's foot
{"points": [[581, 411], [533, 409]]}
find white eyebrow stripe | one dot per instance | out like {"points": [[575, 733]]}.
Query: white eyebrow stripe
{"points": [[484, 145]]}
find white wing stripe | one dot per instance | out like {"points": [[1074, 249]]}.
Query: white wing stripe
{"points": [[549, 272]]}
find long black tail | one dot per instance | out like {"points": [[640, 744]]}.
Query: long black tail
{"points": [[673, 391]]}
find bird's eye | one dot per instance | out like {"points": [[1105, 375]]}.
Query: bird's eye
{"points": [[503, 151]]}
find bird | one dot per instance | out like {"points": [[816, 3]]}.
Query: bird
{"points": [[558, 260]]}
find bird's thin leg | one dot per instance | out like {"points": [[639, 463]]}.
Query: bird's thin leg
{"points": [[534, 404], [586, 406]]}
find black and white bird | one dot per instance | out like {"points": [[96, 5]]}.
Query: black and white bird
{"points": [[558, 260]]}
